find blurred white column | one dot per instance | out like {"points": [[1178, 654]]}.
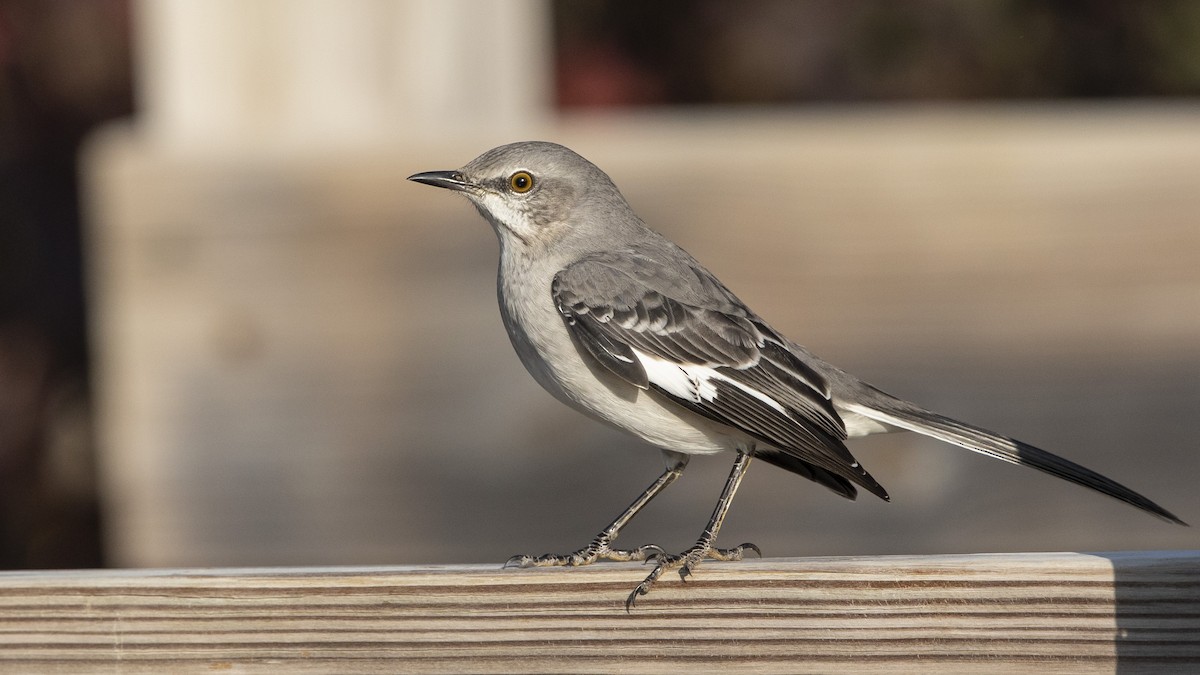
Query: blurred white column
{"points": [[326, 72]]}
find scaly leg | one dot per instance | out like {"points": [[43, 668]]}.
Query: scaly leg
{"points": [[599, 548], [688, 560]]}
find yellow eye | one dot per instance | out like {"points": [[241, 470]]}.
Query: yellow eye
{"points": [[521, 182]]}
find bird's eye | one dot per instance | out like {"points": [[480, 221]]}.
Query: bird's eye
{"points": [[521, 182]]}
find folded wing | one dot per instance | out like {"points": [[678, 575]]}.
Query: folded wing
{"points": [[694, 342]]}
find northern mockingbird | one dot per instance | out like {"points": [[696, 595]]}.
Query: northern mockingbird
{"points": [[625, 326]]}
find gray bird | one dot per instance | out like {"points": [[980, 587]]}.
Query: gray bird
{"points": [[625, 326]]}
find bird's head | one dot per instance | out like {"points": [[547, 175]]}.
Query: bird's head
{"points": [[531, 192]]}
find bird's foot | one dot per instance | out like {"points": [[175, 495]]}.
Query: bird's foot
{"points": [[597, 550], [686, 562]]}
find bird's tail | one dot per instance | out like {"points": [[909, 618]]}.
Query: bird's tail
{"points": [[870, 402]]}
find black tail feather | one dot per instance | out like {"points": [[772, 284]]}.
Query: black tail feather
{"points": [[877, 405]]}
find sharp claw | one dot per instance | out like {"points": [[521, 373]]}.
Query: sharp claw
{"points": [[752, 547], [632, 599], [652, 552]]}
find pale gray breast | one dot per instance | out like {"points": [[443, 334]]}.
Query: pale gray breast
{"points": [[534, 326]]}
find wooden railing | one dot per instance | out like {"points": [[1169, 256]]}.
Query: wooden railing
{"points": [[1031, 612]]}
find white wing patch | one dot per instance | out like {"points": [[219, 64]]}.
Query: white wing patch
{"points": [[693, 382]]}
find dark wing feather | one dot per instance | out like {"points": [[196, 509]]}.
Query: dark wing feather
{"points": [[830, 480], [616, 302]]}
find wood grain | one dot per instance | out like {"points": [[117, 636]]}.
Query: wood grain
{"points": [[1035, 612]]}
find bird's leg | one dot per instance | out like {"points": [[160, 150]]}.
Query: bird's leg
{"points": [[703, 548], [599, 548]]}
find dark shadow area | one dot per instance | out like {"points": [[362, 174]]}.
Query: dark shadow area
{"points": [[1157, 612], [64, 68]]}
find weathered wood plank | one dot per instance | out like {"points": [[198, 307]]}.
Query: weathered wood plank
{"points": [[1043, 612]]}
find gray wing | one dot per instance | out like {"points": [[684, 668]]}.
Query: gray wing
{"points": [[677, 330]]}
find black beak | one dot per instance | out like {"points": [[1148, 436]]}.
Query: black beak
{"points": [[451, 180]]}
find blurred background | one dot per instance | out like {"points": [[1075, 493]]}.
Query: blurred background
{"points": [[231, 333]]}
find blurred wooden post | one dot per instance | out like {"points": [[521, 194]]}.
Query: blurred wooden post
{"points": [[273, 97], [222, 77], [1033, 612]]}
